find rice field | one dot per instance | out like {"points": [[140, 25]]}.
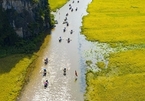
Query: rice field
{"points": [[56, 4], [12, 74], [114, 21], [123, 80], [117, 23]]}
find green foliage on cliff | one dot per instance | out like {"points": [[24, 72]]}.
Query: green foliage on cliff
{"points": [[7, 34], [10, 42], [35, 1]]}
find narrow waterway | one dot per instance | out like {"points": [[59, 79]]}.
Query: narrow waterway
{"points": [[61, 55]]}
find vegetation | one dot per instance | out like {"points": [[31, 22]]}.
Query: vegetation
{"points": [[7, 34], [10, 43], [117, 23], [123, 80], [13, 70], [56, 4]]}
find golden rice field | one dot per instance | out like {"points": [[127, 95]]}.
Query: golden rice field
{"points": [[55, 4], [11, 81], [123, 80], [113, 22]]}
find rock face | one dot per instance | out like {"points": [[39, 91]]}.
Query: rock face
{"points": [[27, 17]]}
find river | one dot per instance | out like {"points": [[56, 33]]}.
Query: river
{"points": [[61, 55]]}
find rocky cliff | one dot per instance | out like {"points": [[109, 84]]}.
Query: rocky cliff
{"points": [[27, 17]]}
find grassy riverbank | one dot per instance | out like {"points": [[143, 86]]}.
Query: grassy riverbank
{"points": [[117, 23], [15, 68]]}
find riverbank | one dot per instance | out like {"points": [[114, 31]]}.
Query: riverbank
{"points": [[120, 26], [13, 80]]}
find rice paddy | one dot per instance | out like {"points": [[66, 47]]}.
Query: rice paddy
{"points": [[56, 4], [123, 80], [122, 25], [115, 21], [12, 74]]}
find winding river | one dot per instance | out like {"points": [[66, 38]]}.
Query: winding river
{"points": [[61, 55]]}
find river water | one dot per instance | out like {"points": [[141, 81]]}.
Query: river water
{"points": [[61, 55]]}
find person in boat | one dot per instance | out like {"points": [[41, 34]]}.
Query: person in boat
{"points": [[76, 75], [70, 8], [65, 19], [64, 29], [60, 39], [46, 61], [64, 71], [67, 24], [46, 84], [68, 40], [76, 9], [71, 31], [66, 14], [44, 72]]}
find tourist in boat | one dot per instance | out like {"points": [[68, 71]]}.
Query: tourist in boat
{"points": [[64, 71], [60, 39], [46, 61], [68, 40], [44, 72], [46, 84]]}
